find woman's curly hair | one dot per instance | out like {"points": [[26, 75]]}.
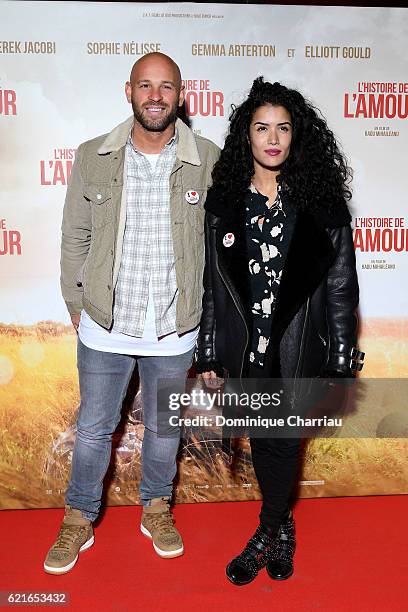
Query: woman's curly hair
{"points": [[315, 174]]}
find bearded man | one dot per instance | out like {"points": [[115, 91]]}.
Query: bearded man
{"points": [[131, 275]]}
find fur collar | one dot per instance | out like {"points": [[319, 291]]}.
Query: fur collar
{"points": [[232, 208], [311, 253]]}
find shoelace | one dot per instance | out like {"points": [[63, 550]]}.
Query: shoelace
{"points": [[67, 535], [162, 521]]}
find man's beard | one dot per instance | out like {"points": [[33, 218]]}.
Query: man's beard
{"points": [[150, 123]]}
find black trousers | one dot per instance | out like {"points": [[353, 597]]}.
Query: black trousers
{"points": [[276, 463]]}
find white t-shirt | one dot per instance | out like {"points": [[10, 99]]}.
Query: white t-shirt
{"points": [[100, 339]]}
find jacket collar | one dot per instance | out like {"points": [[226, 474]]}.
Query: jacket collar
{"points": [[232, 209], [221, 206], [186, 147], [310, 255]]}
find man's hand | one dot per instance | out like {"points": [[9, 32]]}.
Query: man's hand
{"points": [[75, 321]]}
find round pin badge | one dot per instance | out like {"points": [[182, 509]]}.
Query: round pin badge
{"points": [[228, 240], [192, 196]]}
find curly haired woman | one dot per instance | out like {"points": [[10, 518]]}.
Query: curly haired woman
{"points": [[280, 283]]}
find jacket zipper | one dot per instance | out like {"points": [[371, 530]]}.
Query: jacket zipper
{"points": [[302, 338], [239, 310], [302, 341], [293, 399]]}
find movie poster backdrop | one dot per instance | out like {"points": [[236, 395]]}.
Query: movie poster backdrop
{"points": [[62, 72]]}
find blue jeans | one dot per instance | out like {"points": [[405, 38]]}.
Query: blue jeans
{"points": [[103, 382]]}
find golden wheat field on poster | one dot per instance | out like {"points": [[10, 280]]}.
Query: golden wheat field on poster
{"points": [[39, 398]]}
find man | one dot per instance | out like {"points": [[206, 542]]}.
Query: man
{"points": [[131, 275]]}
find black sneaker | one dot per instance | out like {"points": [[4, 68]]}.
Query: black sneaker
{"points": [[244, 568], [280, 564]]}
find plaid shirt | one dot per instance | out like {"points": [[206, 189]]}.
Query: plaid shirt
{"points": [[147, 245]]}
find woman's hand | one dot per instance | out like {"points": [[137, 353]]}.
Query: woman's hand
{"points": [[211, 380]]}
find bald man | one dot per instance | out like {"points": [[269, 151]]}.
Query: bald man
{"points": [[132, 261]]}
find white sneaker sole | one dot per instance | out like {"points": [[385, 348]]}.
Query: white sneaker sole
{"points": [[166, 554], [66, 568]]}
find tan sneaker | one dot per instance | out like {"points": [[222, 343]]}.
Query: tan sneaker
{"points": [[157, 523], [76, 535]]}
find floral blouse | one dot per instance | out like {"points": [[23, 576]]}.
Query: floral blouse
{"points": [[268, 233]]}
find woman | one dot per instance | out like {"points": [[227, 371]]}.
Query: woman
{"points": [[280, 281]]}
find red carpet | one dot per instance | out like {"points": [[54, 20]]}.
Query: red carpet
{"points": [[351, 555]]}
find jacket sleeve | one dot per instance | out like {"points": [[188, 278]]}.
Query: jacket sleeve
{"points": [[76, 238], [342, 302], [206, 359]]}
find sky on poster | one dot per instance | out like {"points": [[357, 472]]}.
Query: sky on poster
{"points": [[68, 97]]}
